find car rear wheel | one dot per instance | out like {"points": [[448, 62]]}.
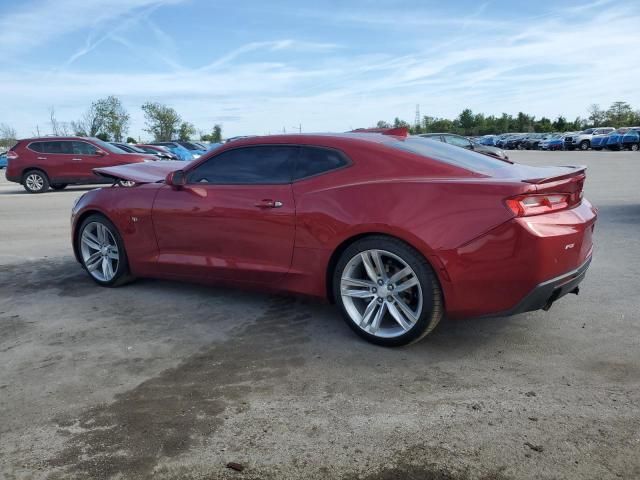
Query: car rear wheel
{"points": [[35, 181], [102, 251], [387, 291], [59, 186], [634, 147]]}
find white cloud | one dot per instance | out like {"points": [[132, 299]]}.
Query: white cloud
{"points": [[543, 66]]}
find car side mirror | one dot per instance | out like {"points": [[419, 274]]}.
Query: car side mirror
{"points": [[100, 153], [177, 179]]}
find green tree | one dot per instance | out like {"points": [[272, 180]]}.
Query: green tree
{"points": [[116, 121], [466, 121], [185, 131], [597, 116], [105, 116], [560, 124], [131, 140], [104, 137], [620, 114], [383, 124], [162, 121], [215, 136]]}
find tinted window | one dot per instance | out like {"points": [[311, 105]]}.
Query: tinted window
{"points": [[61, 147], [246, 166], [457, 141], [459, 157], [83, 148], [316, 160], [106, 146], [36, 146]]}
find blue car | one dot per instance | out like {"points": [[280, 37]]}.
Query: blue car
{"points": [[3, 160], [614, 139], [598, 142], [178, 150], [631, 139], [489, 140], [552, 142]]}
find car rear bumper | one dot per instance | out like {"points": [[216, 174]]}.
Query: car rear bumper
{"points": [[520, 265], [546, 293]]}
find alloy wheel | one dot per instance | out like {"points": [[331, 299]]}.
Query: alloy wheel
{"points": [[100, 253], [34, 182], [381, 293]]}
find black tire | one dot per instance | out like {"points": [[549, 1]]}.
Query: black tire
{"points": [[59, 186], [634, 147], [35, 181], [122, 273], [584, 145], [432, 304]]}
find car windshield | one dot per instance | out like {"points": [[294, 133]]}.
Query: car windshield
{"points": [[135, 149], [588, 130], [107, 146], [460, 157]]}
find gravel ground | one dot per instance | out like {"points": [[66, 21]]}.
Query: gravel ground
{"points": [[166, 380]]}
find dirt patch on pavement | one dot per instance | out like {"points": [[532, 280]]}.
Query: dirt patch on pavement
{"points": [[164, 416]]}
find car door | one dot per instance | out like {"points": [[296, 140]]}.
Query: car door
{"points": [[233, 220], [57, 160], [86, 158]]}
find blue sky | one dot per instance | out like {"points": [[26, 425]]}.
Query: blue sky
{"points": [[258, 67]]}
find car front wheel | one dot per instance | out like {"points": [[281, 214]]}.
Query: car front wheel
{"points": [[584, 145], [387, 291], [634, 147], [102, 251]]}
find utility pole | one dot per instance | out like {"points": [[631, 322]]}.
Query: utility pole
{"points": [[417, 121]]}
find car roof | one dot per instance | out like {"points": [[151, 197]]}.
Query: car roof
{"points": [[54, 138], [317, 138]]}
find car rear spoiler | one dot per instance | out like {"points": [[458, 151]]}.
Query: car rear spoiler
{"points": [[575, 172], [396, 132]]}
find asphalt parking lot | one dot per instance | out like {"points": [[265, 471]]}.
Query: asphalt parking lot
{"points": [[166, 380]]}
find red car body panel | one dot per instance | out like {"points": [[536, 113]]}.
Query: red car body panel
{"points": [[486, 258], [63, 167]]}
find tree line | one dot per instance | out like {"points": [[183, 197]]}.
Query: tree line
{"points": [[108, 119], [619, 114]]}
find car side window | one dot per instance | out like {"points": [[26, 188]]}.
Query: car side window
{"points": [[83, 148], [36, 146], [316, 160], [259, 165], [58, 147], [458, 141]]}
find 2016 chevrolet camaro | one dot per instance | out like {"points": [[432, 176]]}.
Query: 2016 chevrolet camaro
{"points": [[397, 230]]}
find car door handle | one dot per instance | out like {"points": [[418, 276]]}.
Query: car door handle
{"points": [[268, 203], [42, 158], [76, 159]]}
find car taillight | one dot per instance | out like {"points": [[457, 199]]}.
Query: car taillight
{"points": [[537, 204], [11, 155]]}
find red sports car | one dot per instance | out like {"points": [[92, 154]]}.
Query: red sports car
{"points": [[397, 230]]}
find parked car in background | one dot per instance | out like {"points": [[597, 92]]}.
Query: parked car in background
{"points": [[196, 150], [599, 141], [3, 160], [489, 140], [582, 140], [553, 142], [159, 151], [453, 233], [614, 140], [631, 139], [128, 148], [178, 150], [531, 141], [460, 141], [43, 162]]}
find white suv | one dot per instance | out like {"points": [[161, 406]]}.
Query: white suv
{"points": [[582, 140]]}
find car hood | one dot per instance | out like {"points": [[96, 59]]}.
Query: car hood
{"points": [[150, 172]]}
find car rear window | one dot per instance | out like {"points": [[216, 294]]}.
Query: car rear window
{"points": [[460, 157]]}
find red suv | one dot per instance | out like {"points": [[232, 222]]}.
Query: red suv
{"points": [[40, 163]]}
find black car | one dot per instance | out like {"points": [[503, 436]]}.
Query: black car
{"points": [[464, 142], [531, 141]]}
